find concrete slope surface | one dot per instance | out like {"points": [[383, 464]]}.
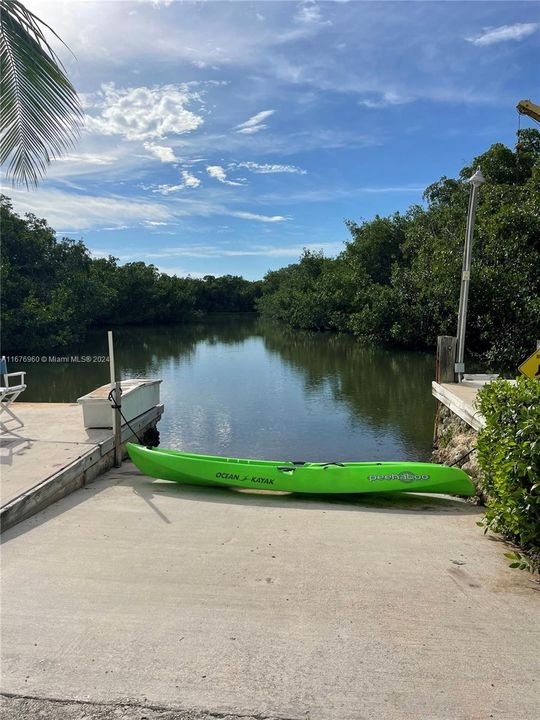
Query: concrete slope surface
{"points": [[201, 602]]}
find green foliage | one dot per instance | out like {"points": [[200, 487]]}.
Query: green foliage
{"points": [[509, 456], [227, 293], [40, 113], [53, 290], [48, 292], [303, 295], [397, 280], [376, 246], [521, 562]]}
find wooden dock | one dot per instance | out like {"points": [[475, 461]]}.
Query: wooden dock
{"points": [[52, 454]]}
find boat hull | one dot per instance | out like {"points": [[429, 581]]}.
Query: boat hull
{"points": [[351, 477]]}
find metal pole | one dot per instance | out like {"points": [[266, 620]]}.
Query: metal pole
{"points": [[476, 180], [116, 419], [118, 427], [111, 358]]}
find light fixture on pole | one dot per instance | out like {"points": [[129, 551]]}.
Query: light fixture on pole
{"points": [[476, 180]]}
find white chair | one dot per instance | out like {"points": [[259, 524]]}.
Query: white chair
{"points": [[10, 391]]}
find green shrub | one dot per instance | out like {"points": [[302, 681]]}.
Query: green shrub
{"points": [[509, 456]]}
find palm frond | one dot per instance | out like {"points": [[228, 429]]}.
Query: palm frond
{"points": [[40, 113]]}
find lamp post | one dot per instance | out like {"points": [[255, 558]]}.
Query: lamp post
{"points": [[476, 180]]}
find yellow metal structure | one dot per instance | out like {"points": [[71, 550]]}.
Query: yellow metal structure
{"points": [[531, 366], [526, 107]]}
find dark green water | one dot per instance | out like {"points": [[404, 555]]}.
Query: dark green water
{"points": [[241, 387]]}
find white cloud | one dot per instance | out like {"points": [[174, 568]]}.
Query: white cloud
{"points": [[217, 251], [87, 159], [252, 129], [218, 173], [308, 21], [291, 251], [333, 194], [504, 33], [144, 113], [81, 212], [385, 100], [162, 152], [310, 14], [188, 181], [268, 168], [168, 189], [393, 189], [255, 216], [255, 123], [105, 159], [106, 229]]}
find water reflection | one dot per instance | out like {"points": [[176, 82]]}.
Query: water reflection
{"points": [[243, 387], [139, 351], [386, 387]]}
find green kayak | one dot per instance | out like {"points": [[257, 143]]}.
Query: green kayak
{"points": [[349, 477]]}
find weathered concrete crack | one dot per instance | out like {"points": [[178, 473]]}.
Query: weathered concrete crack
{"points": [[22, 707]]}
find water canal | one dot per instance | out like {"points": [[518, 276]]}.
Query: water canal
{"points": [[243, 387]]}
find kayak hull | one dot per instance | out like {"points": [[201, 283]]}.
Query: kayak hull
{"points": [[342, 478]]}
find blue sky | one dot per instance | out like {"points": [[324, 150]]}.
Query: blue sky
{"points": [[223, 137]]}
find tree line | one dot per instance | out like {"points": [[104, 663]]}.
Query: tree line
{"points": [[53, 290], [397, 280]]}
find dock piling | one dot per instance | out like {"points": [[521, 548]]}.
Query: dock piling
{"points": [[446, 354], [444, 372]]}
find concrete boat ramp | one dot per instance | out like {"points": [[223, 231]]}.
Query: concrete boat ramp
{"points": [[139, 599], [50, 453]]}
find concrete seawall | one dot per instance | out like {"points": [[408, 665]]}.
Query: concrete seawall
{"points": [[457, 423]]}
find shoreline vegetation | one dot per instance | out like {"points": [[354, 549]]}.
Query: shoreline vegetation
{"points": [[396, 282]]}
